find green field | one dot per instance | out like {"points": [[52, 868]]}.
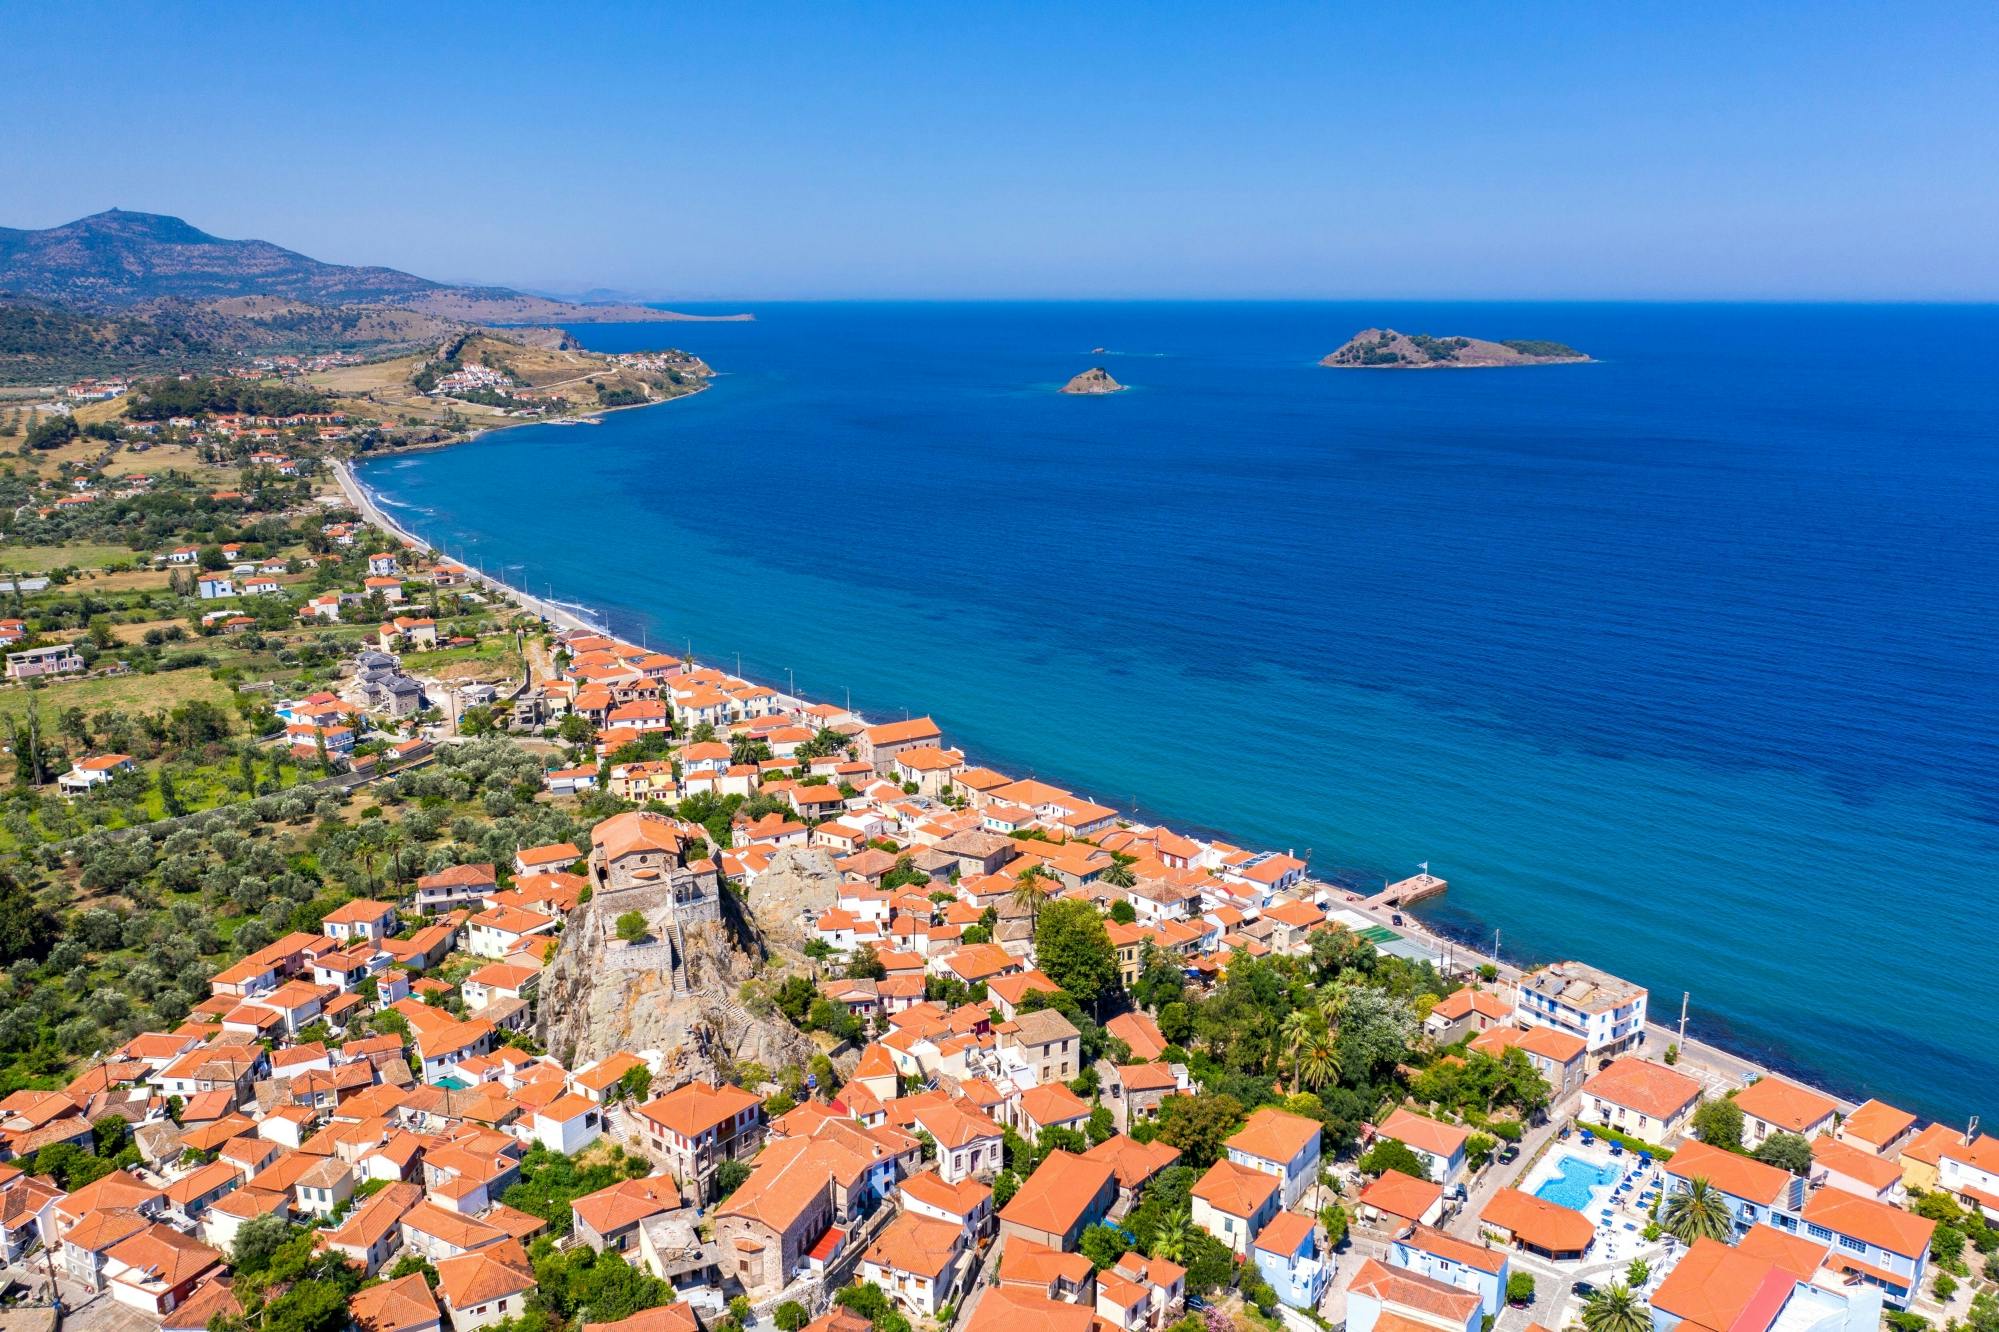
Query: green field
{"points": [[83, 555], [133, 693]]}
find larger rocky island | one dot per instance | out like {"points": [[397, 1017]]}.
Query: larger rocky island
{"points": [[1385, 349]]}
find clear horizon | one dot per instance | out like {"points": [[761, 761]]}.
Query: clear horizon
{"points": [[1843, 152]]}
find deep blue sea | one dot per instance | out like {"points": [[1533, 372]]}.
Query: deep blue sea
{"points": [[1685, 663]]}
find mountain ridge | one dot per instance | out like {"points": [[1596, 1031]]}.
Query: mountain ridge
{"points": [[118, 260]]}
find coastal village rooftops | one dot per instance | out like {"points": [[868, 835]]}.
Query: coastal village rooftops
{"points": [[360, 911], [459, 876], [1395, 1286], [791, 1175], [1928, 1145], [1715, 1286], [1547, 1042], [1274, 868], [1429, 1239], [978, 962], [1132, 1161], [1008, 1308], [551, 856], [929, 758], [960, 1199], [1147, 1077], [210, 1300], [1582, 987], [696, 1107], [1797, 1255], [1235, 1190], [1275, 1135], [676, 1317], [1055, 1197], [394, 1306], [1467, 1001], [627, 1202], [1423, 1133], [903, 732], [1025, 1262], [1044, 1026], [1732, 1173], [1539, 1223], [1139, 1033], [1981, 1153], [1843, 1158], [1785, 1104], [1052, 1103], [1874, 1124], [1286, 1233], [1648, 1088], [480, 1277], [166, 1257], [916, 1243], [1397, 1194], [1890, 1228]]}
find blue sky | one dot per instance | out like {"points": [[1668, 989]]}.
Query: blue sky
{"points": [[1642, 150]]}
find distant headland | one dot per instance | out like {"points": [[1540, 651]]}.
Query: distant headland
{"points": [[1094, 380], [1385, 349]]}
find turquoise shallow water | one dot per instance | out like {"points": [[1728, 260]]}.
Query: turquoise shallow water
{"points": [[1682, 662]]}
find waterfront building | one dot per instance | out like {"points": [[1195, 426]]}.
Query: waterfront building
{"points": [[1641, 1098], [1608, 1013]]}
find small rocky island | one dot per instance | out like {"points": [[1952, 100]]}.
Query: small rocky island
{"points": [[1385, 349], [1094, 380]]}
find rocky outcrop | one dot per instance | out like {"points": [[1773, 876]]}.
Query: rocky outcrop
{"points": [[798, 882], [676, 995], [1092, 381], [1385, 349]]}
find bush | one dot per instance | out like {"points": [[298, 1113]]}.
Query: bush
{"points": [[1520, 1288], [1786, 1151], [729, 1177], [1388, 1154], [632, 927], [1718, 1123], [1626, 1141]]}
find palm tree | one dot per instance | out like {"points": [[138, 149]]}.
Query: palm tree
{"points": [[1699, 1211], [1299, 1030], [1118, 873], [1332, 1005], [1169, 1240], [1027, 893], [1317, 1064], [1617, 1309]]}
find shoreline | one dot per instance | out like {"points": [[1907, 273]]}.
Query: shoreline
{"points": [[586, 417], [1727, 1066]]}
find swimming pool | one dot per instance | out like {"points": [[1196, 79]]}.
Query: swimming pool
{"points": [[1576, 1182]]}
